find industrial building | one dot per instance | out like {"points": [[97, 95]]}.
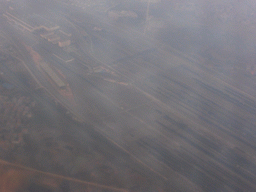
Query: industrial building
{"points": [[37, 24]]}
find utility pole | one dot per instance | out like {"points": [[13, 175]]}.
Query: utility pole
{"points": [[147, 12]]}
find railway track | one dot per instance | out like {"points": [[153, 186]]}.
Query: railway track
{"points": [[195, 141], [220, 99], [193, 124]]}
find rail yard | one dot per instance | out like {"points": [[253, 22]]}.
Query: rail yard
{"points": [[89, 104]]}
